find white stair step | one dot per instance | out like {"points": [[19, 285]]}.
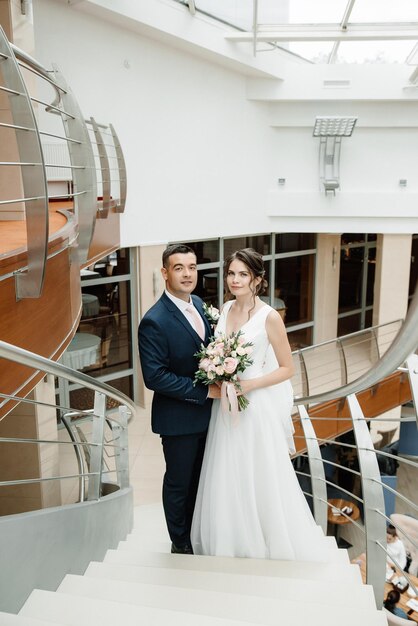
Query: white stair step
{"points": [[149, 512], [338, 594], [10, 619], [209, 601], [213, 604], [78, 611], [256, 567], [151, 543]]}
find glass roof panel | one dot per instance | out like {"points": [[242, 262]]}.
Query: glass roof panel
{"points": [[378, 11], [315, 51], [236, 12], [319, 11], [374, 51], [315, 12]]}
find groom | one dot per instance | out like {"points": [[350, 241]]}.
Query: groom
{"points": [[169, 335]]}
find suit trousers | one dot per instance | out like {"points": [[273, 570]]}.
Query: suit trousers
{"points": [[183, 457]]}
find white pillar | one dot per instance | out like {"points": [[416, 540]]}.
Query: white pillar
{"points": [[327, 286], [391, 285]]}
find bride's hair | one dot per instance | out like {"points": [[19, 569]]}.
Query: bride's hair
{"points": [[254, 261]]}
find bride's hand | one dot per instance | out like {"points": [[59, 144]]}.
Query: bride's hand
{"points": [[243, 387]]}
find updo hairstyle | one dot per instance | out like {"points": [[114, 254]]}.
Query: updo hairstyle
{"points": [[254, 262]]}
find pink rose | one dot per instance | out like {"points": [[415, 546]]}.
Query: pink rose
{"points": [[204, 364], [230, 365]]}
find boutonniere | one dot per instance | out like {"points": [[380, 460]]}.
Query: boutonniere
{"points": [[211, 314]]}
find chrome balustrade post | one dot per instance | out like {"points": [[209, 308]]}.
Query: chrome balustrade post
{"points": [[96, 455], [122, 456], [120, 207], [344, 359], [81, 154], [33, 175], [412, 366], [79, 456], [374, 522], [304, 373], [105, 170], [316, 466]]}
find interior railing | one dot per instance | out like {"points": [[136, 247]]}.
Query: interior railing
{"points": [[370, 497], [44, 115], [98, 435], [331, 364]]}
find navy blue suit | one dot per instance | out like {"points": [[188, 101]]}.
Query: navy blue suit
{"points": [[180, 410]]}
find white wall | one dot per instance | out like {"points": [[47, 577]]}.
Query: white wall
{"points": [[204, 146]]}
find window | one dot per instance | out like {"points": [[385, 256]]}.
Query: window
{"points": [[357, 274]]}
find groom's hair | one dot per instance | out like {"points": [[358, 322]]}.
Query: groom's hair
{"points": [[175, 248]]}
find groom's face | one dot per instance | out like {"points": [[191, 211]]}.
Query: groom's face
{"points": [[181, 275]]}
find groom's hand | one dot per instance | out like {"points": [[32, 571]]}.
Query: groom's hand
{"points": [[214, 392]]}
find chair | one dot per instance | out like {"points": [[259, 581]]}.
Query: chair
{"points": [[410, 526], [394, 620]]}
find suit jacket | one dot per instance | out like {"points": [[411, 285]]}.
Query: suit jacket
{"points": [[167, 343]]}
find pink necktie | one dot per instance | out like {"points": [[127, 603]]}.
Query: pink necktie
{"points": [[198, 322]]}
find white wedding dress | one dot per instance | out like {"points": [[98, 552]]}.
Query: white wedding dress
{"points": [[249, 502]]}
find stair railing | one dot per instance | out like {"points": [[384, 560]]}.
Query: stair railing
{"points": [[400, 351], [90, 454]]}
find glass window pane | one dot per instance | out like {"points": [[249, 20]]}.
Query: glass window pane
{"points": [[413, 276], [368, 319], [294, 242], [265, 297], [300, 338], [208, 286], [260, 243], [351, 278], [347, 238], [294, 283], [115, 264], [371, 270], [206, 251], [110, 320], [83, 399], [349, 324]]}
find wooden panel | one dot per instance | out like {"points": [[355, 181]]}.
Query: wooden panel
{"points": [[391, 392], [43, 325]]}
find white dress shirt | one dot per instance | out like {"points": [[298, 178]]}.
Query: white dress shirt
{"points": [[182, 305]]}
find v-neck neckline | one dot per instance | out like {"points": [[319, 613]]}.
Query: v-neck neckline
{"points": [[245, 323]]}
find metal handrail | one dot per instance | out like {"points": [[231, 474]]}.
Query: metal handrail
{"points": [[321, 375], [404, 344], [34, 361]]}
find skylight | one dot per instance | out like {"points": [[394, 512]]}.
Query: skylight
{"points": [[389, 30]]}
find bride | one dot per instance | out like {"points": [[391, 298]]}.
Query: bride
{"points": [[249, 503]]}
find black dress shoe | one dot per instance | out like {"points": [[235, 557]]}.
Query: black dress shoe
{"points": [[187, 549]]}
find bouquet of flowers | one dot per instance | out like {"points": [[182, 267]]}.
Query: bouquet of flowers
{"points": [[221, 360]]}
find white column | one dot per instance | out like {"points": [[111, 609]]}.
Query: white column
{"points": [[393, 262], [327, 286], [391, 286], [150, 286]]}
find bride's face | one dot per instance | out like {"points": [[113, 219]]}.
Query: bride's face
{"points": [[240, 280]]}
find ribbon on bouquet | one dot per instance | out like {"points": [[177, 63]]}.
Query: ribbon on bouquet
{"points": [[229, 401]]}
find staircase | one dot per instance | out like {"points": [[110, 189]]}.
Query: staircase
{"points": [[142, 583]]}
